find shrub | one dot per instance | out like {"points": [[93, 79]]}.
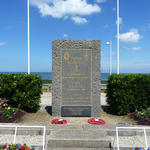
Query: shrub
{"points": [[22, 90], [127, 93]]}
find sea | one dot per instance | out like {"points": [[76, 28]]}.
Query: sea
{"points": [[48, 75]]}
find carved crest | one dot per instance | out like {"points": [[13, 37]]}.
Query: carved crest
{"points": [[86, 56], [66, 56]]}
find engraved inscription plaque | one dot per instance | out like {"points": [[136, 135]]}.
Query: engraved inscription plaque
{"points": [[76, 111], [76, 82], [76, 77]]}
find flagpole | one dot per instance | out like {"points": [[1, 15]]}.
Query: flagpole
{"points": [[118, 37], [28, 11], [110, 57]]}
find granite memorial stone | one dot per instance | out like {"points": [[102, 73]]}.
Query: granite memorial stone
{"points": [[76, 78]]}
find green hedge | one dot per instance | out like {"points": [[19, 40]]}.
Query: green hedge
{"points": [[127, 93], [21, 90]]}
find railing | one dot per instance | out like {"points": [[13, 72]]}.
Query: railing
{"points": [[17, 126], [145, 144]]}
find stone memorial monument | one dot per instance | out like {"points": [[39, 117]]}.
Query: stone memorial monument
{"points": [[76, 78]]}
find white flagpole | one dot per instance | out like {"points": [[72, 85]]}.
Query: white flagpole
{"points": [[110, 57], [117, 36], [28, 10]]}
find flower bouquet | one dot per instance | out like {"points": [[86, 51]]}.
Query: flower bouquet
{"points": [[15, 147]]}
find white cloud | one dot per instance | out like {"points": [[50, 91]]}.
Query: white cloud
{"points": [[100, 1], [79, 20], [63, 8], [2, 43], [133, 48], [65, 35], [131, 37], [120, 20]]}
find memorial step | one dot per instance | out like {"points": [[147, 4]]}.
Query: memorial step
{"points": [[78, 143], [70, 148], [78, 139], [78, 134]]}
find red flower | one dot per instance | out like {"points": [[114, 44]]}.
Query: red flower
{"points": [[28, 148], [22, 147]]}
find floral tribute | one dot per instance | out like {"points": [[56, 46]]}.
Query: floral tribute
{"points": [[59, 121], [97, 121], [15, 147]]}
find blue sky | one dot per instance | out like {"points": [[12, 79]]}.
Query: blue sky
{"points": [[74, 19]]}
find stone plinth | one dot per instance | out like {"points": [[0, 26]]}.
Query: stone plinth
{"points": [[76, 78]]}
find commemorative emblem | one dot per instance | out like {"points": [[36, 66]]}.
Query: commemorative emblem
{"points": [[66, 56]]}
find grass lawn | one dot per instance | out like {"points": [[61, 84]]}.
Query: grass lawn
{"points": [[46, 81]]}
